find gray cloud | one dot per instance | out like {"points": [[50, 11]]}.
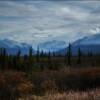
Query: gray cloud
{"points": [[40, 21]]}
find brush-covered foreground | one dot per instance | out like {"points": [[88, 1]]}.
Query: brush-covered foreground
{"points": [[62, 84], [71, 95]]}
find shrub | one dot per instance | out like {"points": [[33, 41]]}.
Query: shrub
{"points": [[49, 85], [14, 85]]}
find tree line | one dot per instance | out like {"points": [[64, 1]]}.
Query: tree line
{"points": [[40, 60]]}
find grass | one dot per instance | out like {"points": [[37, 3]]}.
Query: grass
{"points": [[71, 95]]}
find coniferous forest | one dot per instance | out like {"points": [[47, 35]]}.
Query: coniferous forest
{"points": [[47, 60]]}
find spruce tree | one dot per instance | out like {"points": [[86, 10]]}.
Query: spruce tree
{"points": [[79, 56], [3, 58], [16, 61], [38, 55], [49, 60], [30, 58], [18, 54], [69, 54]]}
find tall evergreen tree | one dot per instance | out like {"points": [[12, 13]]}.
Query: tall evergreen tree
{"points": [[3, 58], [38, 54], [18, 54], [79, 56], [42, 53], [69, 54], [16, 61], [49, 60], [30, 58]]}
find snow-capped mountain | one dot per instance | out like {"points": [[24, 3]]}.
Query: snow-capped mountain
{"points": [[86, 44], [89, 40], [12, 47], [52, 45]]}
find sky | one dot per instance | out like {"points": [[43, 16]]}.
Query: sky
{"points": [[39, 21]]}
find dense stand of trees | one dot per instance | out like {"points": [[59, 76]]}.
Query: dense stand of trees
{"points": [[43, 60]]}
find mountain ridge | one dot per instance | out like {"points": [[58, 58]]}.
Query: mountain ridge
{"points": [[52, 46], [86, 45], [12, 47]]}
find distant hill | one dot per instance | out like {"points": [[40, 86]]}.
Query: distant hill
{"points": [[12, 47]]}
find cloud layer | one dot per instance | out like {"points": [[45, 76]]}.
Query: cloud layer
{"points": [[35, 22]]}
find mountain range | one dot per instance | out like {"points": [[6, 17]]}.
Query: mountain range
{"points": [[86, 44]]}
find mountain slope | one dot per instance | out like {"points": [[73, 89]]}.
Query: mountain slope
{"points": [[86, 44], [12, 47], [90, 40], [52, 45]]}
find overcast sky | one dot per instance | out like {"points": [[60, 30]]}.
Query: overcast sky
{"points": [[38, 21]]}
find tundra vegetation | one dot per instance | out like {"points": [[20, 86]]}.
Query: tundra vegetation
{"points": [[49, 76]]}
